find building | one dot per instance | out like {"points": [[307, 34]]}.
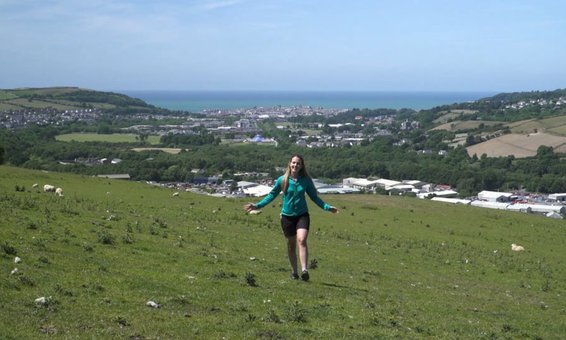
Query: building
{"points": [[496, 196]]}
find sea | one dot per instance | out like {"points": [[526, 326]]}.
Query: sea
{"points": [[203, 101]]}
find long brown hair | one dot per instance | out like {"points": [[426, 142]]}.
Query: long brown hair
{"points": [[302, 172]]}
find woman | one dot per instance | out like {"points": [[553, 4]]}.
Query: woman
{"points": [[295, 220]]}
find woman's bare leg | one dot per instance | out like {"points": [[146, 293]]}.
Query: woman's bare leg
{"points": [[292, 252], [302, 235]]}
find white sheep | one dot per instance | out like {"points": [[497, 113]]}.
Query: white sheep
{"points": [[59, 192], [152, 304], [515, 247], [48, 188], [43, 300], [17, 259], [14, 271]]}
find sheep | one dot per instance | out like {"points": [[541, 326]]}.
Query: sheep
{"points": [[14, 271], [17, 259], [48, 188], [515, 247], [43, 300], [152, 304], [59, 192]]}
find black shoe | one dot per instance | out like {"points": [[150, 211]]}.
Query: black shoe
{"points": [[305, 275], [294, 276]]}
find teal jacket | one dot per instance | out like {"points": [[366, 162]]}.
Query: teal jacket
{"points": [[294, 202]]}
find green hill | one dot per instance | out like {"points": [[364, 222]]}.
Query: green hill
{"points": [[385, 267], [68, 98]]}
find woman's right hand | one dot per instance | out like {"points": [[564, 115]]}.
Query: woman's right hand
{"points": [[249, 207]]}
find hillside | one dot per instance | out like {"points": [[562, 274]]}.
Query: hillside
{"points": [[517, 145], [67, 98], [385, 267]]}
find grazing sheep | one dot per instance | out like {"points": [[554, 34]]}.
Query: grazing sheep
{"points": [[515, 247], [42, 300], [17, 259], [14, 271], [48, 188], [152, 304], [59, 192]]}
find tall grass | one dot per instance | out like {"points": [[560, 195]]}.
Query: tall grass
{"points": [[386, 267]]}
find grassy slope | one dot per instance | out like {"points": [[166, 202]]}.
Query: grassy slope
{"points": [[387, 266]]}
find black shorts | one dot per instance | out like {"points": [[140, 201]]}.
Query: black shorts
{"points": [[290, 224]]}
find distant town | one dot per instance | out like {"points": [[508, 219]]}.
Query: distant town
{"points": [[244, 125]]}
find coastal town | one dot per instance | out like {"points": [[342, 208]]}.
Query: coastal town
{"points": [[244, 126]]}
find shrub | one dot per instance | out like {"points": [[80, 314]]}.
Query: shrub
{"points": [[250, 279], [9, 249], [105, 238]]}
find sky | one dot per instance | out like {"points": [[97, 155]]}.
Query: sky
{"points": [[302, 45]]}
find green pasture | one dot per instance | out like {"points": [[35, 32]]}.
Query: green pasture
{"points": [[554, 125], [6, 95], [6, 106], [112, 138], [384, 267]]}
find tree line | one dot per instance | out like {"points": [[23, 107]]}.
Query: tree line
{"points": [[36, 148]]}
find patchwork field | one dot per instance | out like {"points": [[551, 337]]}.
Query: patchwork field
{"points": [[518, 145], [456, 126], [384, 267], [453, 115], [554, 125], [173, 151], [111, 138]]}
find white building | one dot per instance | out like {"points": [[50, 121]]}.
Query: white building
{"points": [[496, 196], [557, 197], [253, 189]]}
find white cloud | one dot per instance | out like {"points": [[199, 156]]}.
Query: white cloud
{"points": [[217, 4]]}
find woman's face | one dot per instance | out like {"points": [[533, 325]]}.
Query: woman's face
{"points": [[295, 165]]}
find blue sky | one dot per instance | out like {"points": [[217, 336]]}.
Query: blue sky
{"points": [[373, 45]]}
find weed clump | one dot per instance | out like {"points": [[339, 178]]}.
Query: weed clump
{"points": [[105, 238], [297, 313], [9, 249], [313, 264], [251, 279]]}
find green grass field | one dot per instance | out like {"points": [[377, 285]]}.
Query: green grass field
{"points": [[112, 138], [386, 267]]}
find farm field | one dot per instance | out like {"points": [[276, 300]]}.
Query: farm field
{"points": [[384, 267], [452, 115], [464, 125], [111, 138], [172, 151], [518, 145]]}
